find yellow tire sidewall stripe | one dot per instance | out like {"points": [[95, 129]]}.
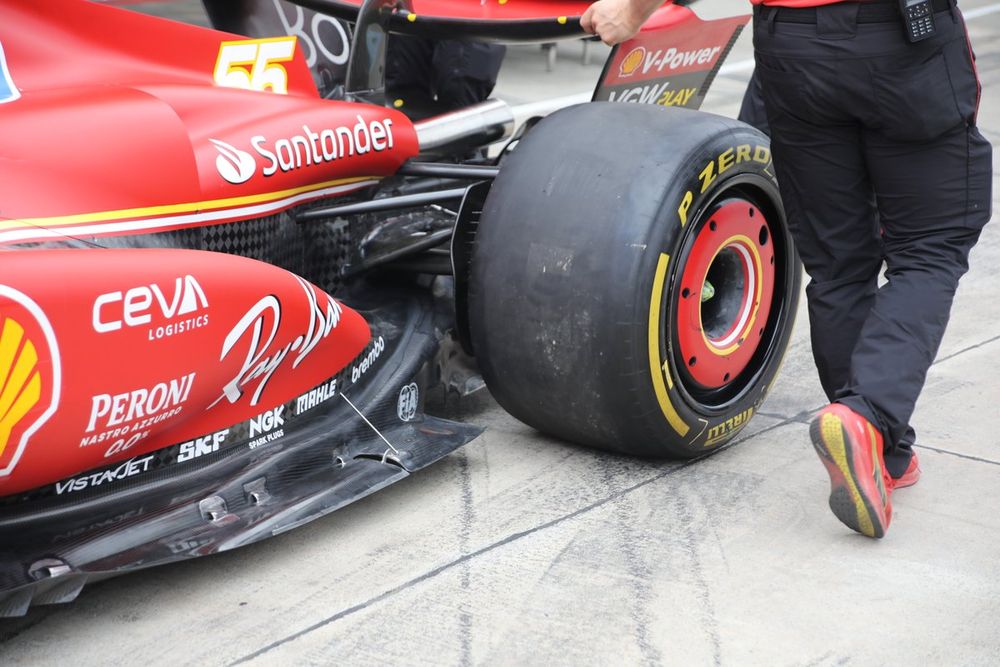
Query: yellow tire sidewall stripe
{"points": [[659, 374]]}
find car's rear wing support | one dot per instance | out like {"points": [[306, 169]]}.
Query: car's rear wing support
{"points": [[366, 67]]}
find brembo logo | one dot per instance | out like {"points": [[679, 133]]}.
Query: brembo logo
{"points": [[303, 150], [234, 165], [30, 374]]}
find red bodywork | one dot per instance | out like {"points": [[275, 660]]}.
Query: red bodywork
{"points": [[125, 83], [490, 10], [154, 347], [163, 395], [116, 126]]}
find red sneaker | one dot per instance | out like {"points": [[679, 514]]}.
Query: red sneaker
{"points": [[851, 449], [910, 477]]}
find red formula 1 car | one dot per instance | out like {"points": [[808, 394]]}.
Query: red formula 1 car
{"points": [[231, 271]]}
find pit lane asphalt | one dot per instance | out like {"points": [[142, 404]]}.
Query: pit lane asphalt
{"points": [[519, 549]]}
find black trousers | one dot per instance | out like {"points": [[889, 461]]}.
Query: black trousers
{"points": [[752, 110], [879, 160]]}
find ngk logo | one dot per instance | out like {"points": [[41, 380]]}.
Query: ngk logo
{"points": [[139, 306], [267, 421]]}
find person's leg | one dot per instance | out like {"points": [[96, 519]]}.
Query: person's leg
{"points": [[819, 159], [752, 110], [465, 72], [925, 160], [900, 337], [822, 174], [927, 245], [931, 170]]}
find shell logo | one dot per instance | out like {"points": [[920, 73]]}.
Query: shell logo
{"points": [[30, 374], [632, 61]]}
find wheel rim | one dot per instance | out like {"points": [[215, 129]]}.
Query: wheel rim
{"points": [[724, 295]]}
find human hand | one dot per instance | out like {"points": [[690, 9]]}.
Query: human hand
{"points": [[615, 21]]}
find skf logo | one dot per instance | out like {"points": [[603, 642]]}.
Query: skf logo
{"points": [[203, 446], [234, 165], [30, 374], [632, 61]]}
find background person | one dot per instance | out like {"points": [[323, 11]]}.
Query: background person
{"points": [[426, 77]]}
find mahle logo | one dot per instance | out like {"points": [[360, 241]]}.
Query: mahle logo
{"points": [[234, 165], [632, 61], [30, 374]]}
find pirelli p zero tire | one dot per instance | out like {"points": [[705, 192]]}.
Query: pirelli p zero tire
{"points": [[633, 283]]}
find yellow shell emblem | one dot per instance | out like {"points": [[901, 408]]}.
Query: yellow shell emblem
{"points": [[632, 61], [20, 380]]}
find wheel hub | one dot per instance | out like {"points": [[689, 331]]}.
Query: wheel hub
{"points": [[727, 283]]}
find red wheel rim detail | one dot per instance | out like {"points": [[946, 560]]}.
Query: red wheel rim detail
{"points": [[734, 252]]}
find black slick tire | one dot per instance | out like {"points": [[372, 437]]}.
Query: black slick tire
{"points": [[633, 283]]}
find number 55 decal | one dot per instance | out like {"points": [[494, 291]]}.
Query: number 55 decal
{"points": [[254, 64]]}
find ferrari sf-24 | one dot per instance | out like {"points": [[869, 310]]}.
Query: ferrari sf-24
{"points": [[232, 269]]}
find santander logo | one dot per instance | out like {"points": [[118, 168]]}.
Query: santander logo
{"points": [[234, 165]]}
